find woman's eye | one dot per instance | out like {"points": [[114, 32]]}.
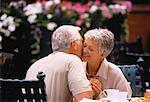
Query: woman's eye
{"points": [[91, 49]]}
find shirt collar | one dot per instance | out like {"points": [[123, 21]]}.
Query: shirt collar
{"points": [[103, 70]]}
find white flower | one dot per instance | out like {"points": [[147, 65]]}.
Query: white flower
{"points": [[1, 24], [117, 6], [29, 12], [3, 17], [10, 20], [57, 1], [5, 23], [22, 3], [93, 8], [38, 8], [28, 7], [32, 19], [87, 24], [111, 6], [123, 7], [49, 16], [0, 38], [14, 4], [64, 8], [51, 26], [7, 33], [0, 46], [2, 30], [86, 15], [11, 27], [33, 9]]}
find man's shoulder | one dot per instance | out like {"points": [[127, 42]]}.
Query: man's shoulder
{"points": [[41, 60], [62, 56], [73, 59], [70, 56], [74, 56]]}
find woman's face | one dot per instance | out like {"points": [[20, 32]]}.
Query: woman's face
{"points": [[91, 53]]}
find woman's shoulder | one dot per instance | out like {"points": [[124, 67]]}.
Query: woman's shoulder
{"points": [[113, 68]]}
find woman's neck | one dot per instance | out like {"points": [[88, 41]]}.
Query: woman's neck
{"points": [[92, 68]]}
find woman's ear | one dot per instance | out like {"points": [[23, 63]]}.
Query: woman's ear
{"points": [[102, 54]]}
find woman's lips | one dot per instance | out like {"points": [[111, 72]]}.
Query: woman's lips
{"points": [[85, 55]]}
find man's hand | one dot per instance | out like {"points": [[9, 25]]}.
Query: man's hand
{"points": [[96, 86]]}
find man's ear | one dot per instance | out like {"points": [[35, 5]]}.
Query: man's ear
{"points": [[74, 44]]}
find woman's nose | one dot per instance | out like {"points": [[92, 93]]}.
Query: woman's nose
{"points": [[85, 52]]}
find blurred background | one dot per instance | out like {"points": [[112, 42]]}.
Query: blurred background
{"points": [[26, 28]]}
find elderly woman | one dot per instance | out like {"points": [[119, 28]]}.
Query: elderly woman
{"points": [[97, 46]]}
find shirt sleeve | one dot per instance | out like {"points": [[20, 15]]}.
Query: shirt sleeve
{"points": [[77, 79], [123, 84]]}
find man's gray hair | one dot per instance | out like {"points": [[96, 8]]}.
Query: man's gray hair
{"points": [[63, 36], [103, 38]]}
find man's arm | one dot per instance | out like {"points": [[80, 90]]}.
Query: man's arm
{"points": [[80, 96], [78, 83]]}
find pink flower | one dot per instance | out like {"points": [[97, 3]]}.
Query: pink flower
{"points": [[97, 2], [79, 22], [88, 5], [68, 4], [116, 8], [47, 5], [106, 12], [79, 8], [84, 16], [69, 12], [128, 4], [123, 10]]}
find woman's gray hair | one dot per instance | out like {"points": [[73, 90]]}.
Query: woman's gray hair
{"points": [[103, 38], [63, 36]]}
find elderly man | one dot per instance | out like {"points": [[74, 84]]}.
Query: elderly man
{"points": [[65, 75], [97, 46]]}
